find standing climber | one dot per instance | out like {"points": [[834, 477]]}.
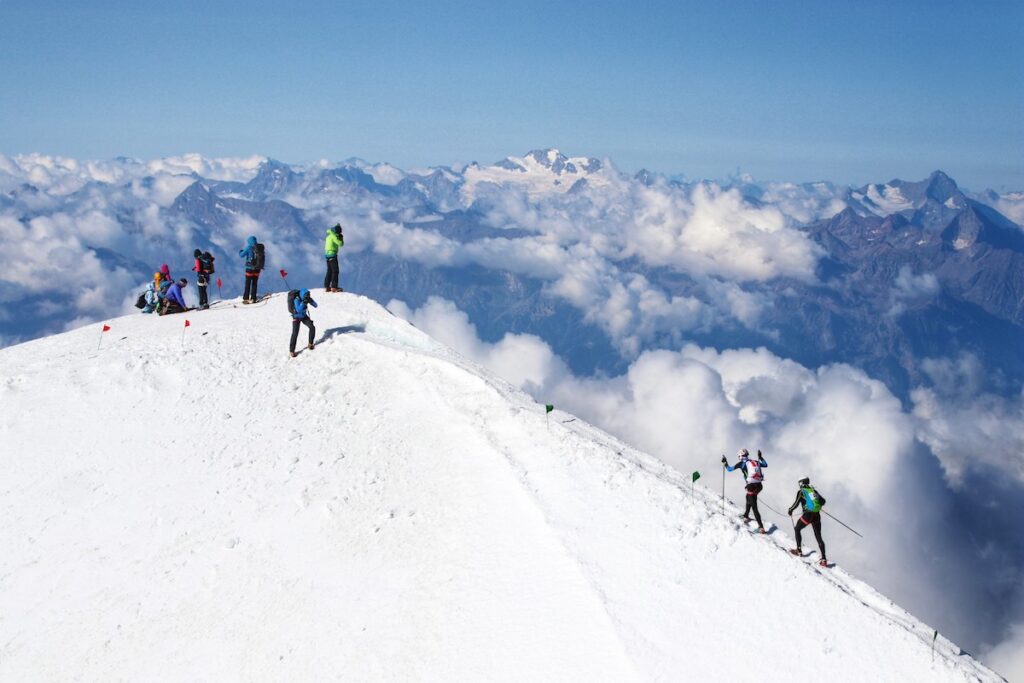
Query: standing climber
{"points": [[754, 479], [335, 240], [811, 501], [203, 269], [299, 301], [255, 259]]}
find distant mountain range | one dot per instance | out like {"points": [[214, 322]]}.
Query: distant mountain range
{"points": [[900, 271], [872, 332]]}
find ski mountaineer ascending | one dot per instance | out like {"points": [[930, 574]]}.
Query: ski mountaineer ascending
{"points": [[811, 501], [754, 482]]}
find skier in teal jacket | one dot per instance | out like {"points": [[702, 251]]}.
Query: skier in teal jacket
{"points": [[811, 501]]}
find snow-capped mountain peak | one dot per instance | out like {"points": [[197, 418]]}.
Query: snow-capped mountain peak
{"points": [[201, 505], [538, 173]]}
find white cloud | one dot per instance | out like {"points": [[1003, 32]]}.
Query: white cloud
{"points": [[908, 287], [834, 424], [967, 431], [241, 169], [716, 232], [1007, 657]]}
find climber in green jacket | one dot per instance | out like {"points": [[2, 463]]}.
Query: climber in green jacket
{"points": [[335, 241]]}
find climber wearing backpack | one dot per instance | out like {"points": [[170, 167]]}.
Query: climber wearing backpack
{"points": [[335, 240], [203, 269], [754, 479], [255, 259], [299, 301], [150, 299], [160, 285], [811, 501]]}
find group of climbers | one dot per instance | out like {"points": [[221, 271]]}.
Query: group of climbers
{"points": [[164, 295], [807, 498]]}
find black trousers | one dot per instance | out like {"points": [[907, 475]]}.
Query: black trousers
{"points": [[752, 491], [202, 280], [813, 520], [171, 307], [331, 279], [252, 278], [295, 331]]}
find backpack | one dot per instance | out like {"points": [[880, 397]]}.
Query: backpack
{"points": [[141, 301], [292, 296], [206, 263], [754, 475], [812, 499], [259, 257]]}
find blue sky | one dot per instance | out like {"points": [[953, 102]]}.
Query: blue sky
{"points": [[851, 92]]}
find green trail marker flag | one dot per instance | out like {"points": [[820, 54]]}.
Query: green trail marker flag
{"points": [[548, 408], [695, 477]]}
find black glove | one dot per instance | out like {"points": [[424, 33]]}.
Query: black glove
{"points": [[759, 453], [724, 461]]}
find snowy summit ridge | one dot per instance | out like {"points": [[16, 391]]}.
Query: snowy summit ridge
{"points": [[203, 506]]}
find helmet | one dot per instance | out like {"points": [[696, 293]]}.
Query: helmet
{"points": [[197, 253], [337, 228], [806, 481], [744, 453]]}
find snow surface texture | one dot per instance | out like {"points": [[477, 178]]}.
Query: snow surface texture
{"points": [[379, 508]]}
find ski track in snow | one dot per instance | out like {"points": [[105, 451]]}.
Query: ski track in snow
{"points": [[380, 508]]}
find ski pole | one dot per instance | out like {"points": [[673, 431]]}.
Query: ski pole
{"points": [[843, 524]]}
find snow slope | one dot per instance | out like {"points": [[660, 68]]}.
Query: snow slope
{"points": [[379, 508]]}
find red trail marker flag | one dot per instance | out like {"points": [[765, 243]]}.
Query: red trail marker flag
{"points": [[106, 328], [187, 323], [284, 276]]}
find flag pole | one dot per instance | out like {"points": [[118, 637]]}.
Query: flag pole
{"points": [[102, 330], [284, 276]]}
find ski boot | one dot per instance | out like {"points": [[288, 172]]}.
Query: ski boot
{"points": [[823, 563], [796, 551], [293, 354], [310, 347]]}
